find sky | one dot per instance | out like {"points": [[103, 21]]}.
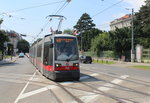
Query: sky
{"points": [[30, 16]]}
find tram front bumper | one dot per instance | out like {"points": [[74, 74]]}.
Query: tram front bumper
{"points": [[69, 75]]}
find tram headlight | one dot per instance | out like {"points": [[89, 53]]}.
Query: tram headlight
{"points": [[76, 64], [57, 65]]}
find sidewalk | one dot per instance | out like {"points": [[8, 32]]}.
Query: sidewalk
{"points": [[8, 61]]}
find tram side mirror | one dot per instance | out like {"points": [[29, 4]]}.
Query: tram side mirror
{"points": [[51, 45]]}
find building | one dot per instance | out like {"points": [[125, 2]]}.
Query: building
{"points": [[124, 21], [14, 38]]}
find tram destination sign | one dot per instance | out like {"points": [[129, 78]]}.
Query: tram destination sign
{"points": [[67, 40]]}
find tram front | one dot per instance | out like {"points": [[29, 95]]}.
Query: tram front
{"points": [[66, 58]]}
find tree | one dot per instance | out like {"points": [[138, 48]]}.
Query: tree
{"points": [[84, 23], [84, 26], [142, 26], [23, 46], [1, 21], [88, 36], [3, 38], [101, 43], [68, 31], [121, 40]]}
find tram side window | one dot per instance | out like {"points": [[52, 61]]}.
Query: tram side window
{"points": [[50, 56], [46, 50], [47, 55], [39, 50]]}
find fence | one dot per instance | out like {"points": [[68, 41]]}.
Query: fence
{"points": [[146, 55]]}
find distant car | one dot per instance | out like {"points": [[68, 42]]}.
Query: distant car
{"points": [[21, 55], [86, 59]]}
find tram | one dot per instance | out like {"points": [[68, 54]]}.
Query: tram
{"points": [[56, 57]]}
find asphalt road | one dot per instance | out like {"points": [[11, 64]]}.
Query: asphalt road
{"points": [[20, 82]]}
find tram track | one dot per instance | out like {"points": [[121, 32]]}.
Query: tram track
{"points": [[126, 88], [86, 84], [120, 100], [144, 83]]}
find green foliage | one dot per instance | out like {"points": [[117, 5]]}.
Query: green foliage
{"points": [[3, 38], [68, 31], [141, 67], [23, 46], [101, 43], [104, 61], [121, 40], [88, 36], [142, 26], [85, 27], [10, 49], [1, 21], [84, 23]]}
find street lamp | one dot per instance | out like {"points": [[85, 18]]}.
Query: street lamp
{"points": [[132, 37]]}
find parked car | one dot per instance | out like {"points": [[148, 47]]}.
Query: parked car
{"points": [[86, 59], [21, 55]]}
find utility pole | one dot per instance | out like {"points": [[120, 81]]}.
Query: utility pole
{"points": [[132, 42], [81, 44]]}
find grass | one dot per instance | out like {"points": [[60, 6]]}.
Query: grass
{"points": [[141, 67], [7, 56], [104, 62]]}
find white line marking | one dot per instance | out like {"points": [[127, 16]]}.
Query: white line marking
{"points": [[21, 95], [108, 86], [87, 77], [95, 74], [66, 83], [16, 101], [88, 98], [37, 91]]}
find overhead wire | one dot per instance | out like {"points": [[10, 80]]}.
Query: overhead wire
{"points": [[63, 7], [31, 7], [107, 8], [60, 8], [58, 11]]}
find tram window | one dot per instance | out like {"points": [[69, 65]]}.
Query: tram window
{"points": [[48, 55], [39, 50], [46, 50]]}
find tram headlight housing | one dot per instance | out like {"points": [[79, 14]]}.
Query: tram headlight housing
{"points": [[57, 65], [76, 64]]}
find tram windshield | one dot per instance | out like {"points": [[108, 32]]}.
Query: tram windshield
{"points": [[66, 49]]}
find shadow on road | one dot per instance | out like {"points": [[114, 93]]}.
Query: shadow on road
{"points": [[88, 78], [9, 64]]}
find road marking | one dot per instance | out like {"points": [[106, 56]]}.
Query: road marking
{"points": [[16, 101], [108, 86], [21, 96], [94, 74], [37, 91], [87, 77], [88, 98], [66, 83]]}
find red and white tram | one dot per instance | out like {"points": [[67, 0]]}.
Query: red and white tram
{"points": [[56, 57]]}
